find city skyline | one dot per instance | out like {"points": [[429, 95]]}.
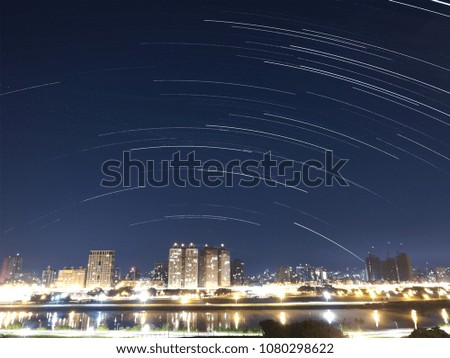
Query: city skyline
{"points": [[187, 268], [270, 265], [361, 88]]}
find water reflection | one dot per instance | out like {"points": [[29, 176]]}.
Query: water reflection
{"points": [[218, 321], [283, 318], [376, 318], [329, 316], [414, 318], [444, 315]]}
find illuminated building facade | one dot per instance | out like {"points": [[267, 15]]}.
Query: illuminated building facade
{"points": [[224, 276], [71, 278], [183, 267], [209, 267], [100, 270], [214, 267], [190, 276]]}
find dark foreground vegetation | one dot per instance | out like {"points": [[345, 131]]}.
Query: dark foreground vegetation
{"points": [[434, 332], [305, 329]]}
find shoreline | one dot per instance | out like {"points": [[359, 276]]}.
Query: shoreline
{"points": [[207, 306]]}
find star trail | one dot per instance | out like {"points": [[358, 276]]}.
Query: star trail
{"points": [[82, 82]]}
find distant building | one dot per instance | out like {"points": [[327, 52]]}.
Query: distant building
{"points": [[11, 267], [183, 266], [389, 269], [283, 274], [133, 274], [214, 267], [100, 270], [71, 278], [439, 274], [237, 272], [117, 274], [404, 267], [49, 276], [320, 274], [160, 272], [303, 272], [373, 268]]}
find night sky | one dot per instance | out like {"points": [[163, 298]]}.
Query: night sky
{"points": [[83, 81]]}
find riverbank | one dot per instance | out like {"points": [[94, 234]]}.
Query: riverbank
{"points": [[170, 305]]}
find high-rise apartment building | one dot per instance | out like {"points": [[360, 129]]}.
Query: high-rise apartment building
{"points": [[214, 267], [392, 269], [11, 267], [175, 266], [183, 266], [224, 267], [190, 267], [100, 270]]}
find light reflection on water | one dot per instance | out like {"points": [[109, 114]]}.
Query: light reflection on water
{"points": [[215, 321]]}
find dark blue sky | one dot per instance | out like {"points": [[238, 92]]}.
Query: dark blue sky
{"points": [[369, 80]]}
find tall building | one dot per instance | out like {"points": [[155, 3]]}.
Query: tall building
{"points": [[183, 266], [389, 269], [175, 266], [71, 278], [214, 267], [100, 270], [48, 276], [11, 267], [224, 267], [209, 267], [237, 272], [373, 268], [404, 267], [190, 274]]}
